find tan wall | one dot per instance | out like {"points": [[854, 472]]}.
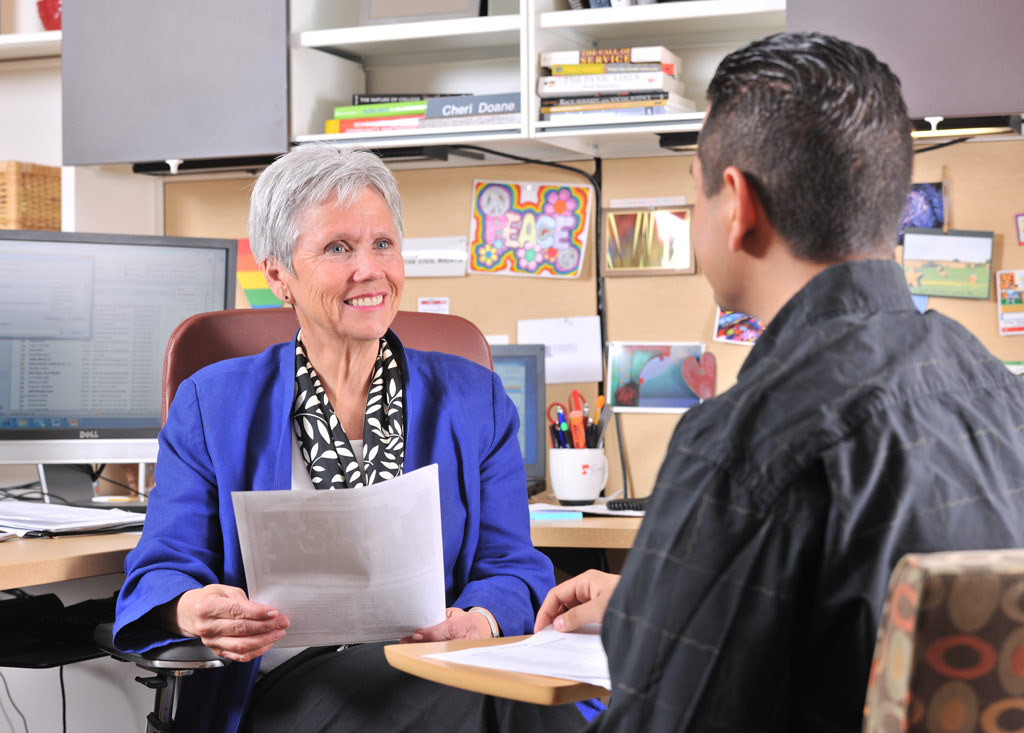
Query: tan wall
{"points": [[986, 190]]}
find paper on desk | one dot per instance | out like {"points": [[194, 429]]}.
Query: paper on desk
{"points": [[598, 509], [572, 347], [576, 656], [33, 518], [346, 566]]}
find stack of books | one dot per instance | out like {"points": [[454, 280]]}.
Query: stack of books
{"points": [[397, 113], [611, 84]]}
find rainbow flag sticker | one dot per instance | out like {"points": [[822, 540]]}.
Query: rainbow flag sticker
{"points": [[251, 280]]}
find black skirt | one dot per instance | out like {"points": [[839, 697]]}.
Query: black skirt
{"points": [[356, 690]]}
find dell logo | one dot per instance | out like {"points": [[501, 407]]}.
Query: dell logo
{"points": [[88, 434]]}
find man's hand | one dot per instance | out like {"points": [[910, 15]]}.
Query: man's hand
{"points": [[577, 602], [226, 621], [458, 624]]}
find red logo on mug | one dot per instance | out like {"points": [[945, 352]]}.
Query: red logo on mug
{"points": [[585, 467]]}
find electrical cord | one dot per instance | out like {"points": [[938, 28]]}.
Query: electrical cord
{"points": [[942, 145], [10, 697], [595, 181], [35, 495], [63, 702], [95, 474]]}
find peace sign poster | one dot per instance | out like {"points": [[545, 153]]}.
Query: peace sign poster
{"points": [[528, 228]]}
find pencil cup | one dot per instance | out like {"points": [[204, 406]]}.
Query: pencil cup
{"points": [[578, 475]]}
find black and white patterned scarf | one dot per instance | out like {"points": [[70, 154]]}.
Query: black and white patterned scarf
{"points": [[323, 444]]}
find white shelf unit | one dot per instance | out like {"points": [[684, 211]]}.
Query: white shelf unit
{"points": [[700, 32], [481, 55], [22, 46], [500, 53]]}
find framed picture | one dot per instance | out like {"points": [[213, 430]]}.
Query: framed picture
{"points": [[648, 376], [957, 264], [376, 12], [648, 241]]}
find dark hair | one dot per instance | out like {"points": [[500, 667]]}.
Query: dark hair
{"points": [[820, 130]]}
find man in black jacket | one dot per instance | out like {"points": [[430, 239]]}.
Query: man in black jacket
{"points": [[859, 429]]}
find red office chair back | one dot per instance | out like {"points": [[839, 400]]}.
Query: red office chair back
{"points": [[206, 338]]}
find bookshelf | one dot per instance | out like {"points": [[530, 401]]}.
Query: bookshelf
{"points": [[500, 53]]}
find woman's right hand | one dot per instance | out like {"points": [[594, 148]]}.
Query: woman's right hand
{"points": [[226, 621]]}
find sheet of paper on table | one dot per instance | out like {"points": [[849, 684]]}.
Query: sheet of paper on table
{"points": [[33, 519], [577, 656], [346, 566]]}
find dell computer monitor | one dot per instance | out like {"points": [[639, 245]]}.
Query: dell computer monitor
{"points": [[84, 321], [521, 369]]}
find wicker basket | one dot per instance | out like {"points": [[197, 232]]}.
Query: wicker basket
{"points": [[29, 196]]}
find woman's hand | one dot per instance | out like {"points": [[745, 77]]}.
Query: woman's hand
{"points": [[458, 624], [226, 621], [576, 602]]}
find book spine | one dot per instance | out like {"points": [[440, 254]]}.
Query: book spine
{"points": [[610, 114], [471, 105], [602, 106], [552, 86], [390, 98], [333, 127], [607, 97], [358, 99], [578, 69], [390, 109], [624, 55], [509, 118]]}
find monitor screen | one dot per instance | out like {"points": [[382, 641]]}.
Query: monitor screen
{"points": [[521, 369], [84, 322]]}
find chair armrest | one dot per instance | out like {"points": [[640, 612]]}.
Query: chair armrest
{"points": [[190, 654]]}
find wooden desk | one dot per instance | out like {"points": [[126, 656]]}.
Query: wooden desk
{"points": [[25, 562], [511, 685], [597, 532]]}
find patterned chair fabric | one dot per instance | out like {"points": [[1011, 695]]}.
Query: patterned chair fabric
{"points": [[950, 650]]}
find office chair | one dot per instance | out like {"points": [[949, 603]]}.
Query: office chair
{"points": [[950, 647], [205, 338]]}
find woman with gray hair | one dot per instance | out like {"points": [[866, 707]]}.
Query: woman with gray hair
{"points": [[326, 228]]}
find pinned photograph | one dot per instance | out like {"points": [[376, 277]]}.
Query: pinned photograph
{"points": [[733, 327], [957, 264], [1010, 300], [648, 241], [925, 209], [650, 376]]}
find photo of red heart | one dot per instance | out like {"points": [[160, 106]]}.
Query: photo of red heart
{"points": [[700, 375]]}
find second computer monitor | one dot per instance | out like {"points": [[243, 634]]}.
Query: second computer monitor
{"points": [[521, 369]]}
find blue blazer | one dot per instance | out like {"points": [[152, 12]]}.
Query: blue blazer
{"points": [[229, 429]]}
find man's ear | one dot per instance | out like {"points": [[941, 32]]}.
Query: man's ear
{"points": [[744, 207]]}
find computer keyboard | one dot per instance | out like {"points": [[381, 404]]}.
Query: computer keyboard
{"points": [[628, 505]]}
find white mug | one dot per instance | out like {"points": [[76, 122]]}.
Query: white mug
{"points": [[578, 475]]}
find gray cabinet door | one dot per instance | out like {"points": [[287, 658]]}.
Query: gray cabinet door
{"points": [[954, 58], [151, 80]]}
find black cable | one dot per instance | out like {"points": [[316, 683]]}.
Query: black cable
{"points": [[942, 145], [63, 702], [36, 495], [595, 181], [13, 704], [96, 475]]}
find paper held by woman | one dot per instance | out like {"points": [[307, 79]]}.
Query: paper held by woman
{"points": [[347, 566]]}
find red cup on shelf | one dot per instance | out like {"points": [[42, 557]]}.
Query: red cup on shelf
{"points": [[49, 13]]}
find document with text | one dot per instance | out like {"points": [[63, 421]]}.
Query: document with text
{"points": [[349, 565], [576, 656]]}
